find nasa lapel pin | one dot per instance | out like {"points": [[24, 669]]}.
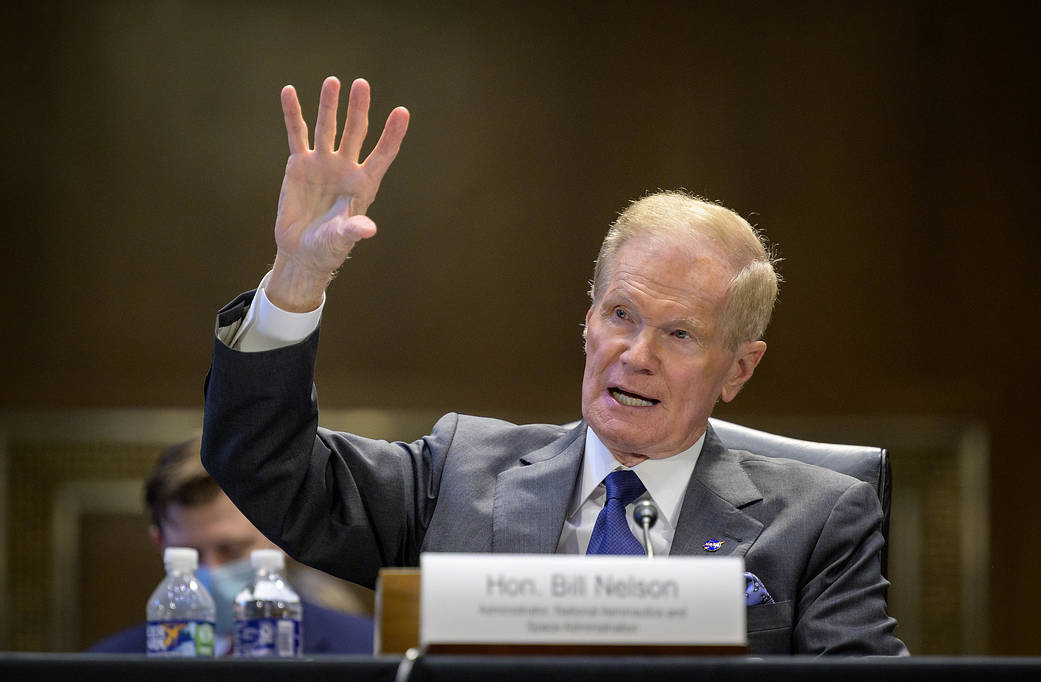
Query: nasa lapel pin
{"points": [[713, 545]]}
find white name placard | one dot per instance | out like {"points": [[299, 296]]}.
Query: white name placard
{"points": [[555, 599]]}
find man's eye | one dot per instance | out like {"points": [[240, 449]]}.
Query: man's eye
{"points": [[621, 314], [681, 334], [234, 551]]}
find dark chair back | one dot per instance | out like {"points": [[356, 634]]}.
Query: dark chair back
{"points": [[869, 464]]}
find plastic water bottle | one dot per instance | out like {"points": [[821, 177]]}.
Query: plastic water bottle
{"points": [[180, 612], [268, 613]]}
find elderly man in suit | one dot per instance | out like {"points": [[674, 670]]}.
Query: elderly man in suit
{"points": [[682, 293]]}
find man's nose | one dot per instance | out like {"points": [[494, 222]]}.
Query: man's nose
{"points": [[642, 353]]}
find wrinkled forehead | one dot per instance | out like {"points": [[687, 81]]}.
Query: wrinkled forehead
{"points": [[670, 279], [681, 265]]}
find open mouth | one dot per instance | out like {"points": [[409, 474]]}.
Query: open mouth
{"points": [[631, 399]]}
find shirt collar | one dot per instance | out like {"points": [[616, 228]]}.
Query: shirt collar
{"points": [[665, 479]]}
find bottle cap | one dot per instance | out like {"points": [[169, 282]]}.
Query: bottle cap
{"points": [[270, 559], [180, 559]]}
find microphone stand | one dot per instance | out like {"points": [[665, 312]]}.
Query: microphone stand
{"points": [[646, 515]]}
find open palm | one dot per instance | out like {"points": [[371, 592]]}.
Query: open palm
{"points": [[326, 190]]}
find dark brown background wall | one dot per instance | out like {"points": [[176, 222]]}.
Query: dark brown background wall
{"points": [[889, 149]]}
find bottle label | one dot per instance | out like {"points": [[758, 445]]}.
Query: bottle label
{"points": [[179, 638], [267, 637]]}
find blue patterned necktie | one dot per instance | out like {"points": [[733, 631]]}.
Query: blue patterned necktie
{"points": [[611, 534]]}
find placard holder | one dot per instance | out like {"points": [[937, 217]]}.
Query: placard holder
{"points": [[587, 649], [397, 630], [397, 610]]}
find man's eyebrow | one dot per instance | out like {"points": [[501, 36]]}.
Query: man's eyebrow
{"points": [[699, 328], [237, 541], [619, 297], [615, 297]]}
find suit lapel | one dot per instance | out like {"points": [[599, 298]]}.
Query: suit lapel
{"points": [[531, 500], [718, 490]]}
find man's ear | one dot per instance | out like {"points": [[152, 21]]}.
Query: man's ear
{"points": [[745, 361], [156, 535]]}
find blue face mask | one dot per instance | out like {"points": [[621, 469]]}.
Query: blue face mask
{"points": [[224, 583]]}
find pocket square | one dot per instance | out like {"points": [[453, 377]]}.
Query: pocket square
{"points": [[755, 591]]}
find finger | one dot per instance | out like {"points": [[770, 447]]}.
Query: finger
{"points": [[356, 228], [325, 126], [295, 126], [357, 126], [345, 232], [386, 149]]}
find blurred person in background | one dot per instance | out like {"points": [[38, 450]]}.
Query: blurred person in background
{"points": [[189, 509]]}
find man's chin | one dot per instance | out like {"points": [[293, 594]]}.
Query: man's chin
{"points": [[627, 445], [628, 459]]}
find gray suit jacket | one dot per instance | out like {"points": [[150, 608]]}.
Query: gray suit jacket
{"points": [[350, 505]]}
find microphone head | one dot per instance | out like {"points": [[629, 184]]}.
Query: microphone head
{"points": [[645, 513]]}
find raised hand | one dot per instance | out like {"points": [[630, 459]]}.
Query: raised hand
{"points": [[326, 191]]}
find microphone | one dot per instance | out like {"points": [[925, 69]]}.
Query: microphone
{"points": [[646, 515]]}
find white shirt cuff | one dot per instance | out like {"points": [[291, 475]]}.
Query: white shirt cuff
{"points": [[267, 327]]}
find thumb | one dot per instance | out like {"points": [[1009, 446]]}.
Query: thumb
{"points": [[355, 228]]}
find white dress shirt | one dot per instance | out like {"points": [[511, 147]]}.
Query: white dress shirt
{"points": [[267, 327], [666, 482]]}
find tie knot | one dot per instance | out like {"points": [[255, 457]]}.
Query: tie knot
{"points": [[624, 486]]}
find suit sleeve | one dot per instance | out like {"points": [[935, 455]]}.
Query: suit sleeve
{"points": [[341, 503], [842, 603]]}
